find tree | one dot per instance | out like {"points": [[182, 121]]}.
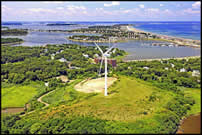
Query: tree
{"points": [[35, 128]]}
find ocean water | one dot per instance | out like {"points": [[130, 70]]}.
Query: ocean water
{"points": [[190, 30], [137, 49]]}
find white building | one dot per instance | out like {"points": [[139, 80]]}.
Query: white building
{"points": [[96, 55], [114, 50], [146, 68], [46, 84], [85, 55], [52, 56], [62, 60], [172, 65], [195, 73], [166, 68], [182, 70]]}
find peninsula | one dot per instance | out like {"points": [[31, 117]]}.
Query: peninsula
{"points": [[124, 32]]}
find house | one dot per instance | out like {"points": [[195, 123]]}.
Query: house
{"points": [[62, 60], [85, 55], [146, 68], [114, 50], [96, 55], [74, 67], [182, 70], [52, 56], [166, 68], [46, 84], [195, 73], [172, 65]]}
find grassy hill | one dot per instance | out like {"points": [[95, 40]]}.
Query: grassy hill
{"points": [[129, 99], [133, 106], [196, 94], [17, 96]]}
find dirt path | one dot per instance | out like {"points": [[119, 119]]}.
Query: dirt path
{"points": [[40, 100]]}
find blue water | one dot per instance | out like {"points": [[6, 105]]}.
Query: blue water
{"points": [[136, 49], [190, 30]]}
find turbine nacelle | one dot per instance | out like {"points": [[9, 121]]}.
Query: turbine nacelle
{"points": [[106, 55]]}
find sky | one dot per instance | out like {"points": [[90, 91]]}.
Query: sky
{"points": [[100, 11]]}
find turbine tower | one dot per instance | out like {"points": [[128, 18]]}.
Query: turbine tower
{"points": [[104, 55]]}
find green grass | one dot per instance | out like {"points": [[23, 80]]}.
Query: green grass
{"points": [[59, 94], [55, 96], [16, 96], [128, 101], [196, 94]]}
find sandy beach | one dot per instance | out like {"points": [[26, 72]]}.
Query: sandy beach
{"points": [[134, 29]]}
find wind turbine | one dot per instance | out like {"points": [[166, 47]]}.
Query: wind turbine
{"points": [[105, 55]]}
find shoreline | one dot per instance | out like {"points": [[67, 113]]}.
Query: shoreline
{"points": [[88, 41], [138, 30], [178, 58], [13, 43], [183, 41], [179, 129]]}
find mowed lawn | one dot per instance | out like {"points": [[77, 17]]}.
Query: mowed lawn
{"points": [[16, 96], [196, 94], [129, 102]]}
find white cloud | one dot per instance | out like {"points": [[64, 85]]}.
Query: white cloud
{"points": [[152, 10], [98, 8], [114, 3], [51, 2], [73, 7], [60, 8], [141, 6], [127, 11], [161, 5], [196, 5], [85, 12], [41, 10], [191, 11], [4, 8]]}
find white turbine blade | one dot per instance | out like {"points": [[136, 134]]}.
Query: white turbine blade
{"points": [[110, 49], [109, 42], [105, 76], [99, 48], [101, 66]]}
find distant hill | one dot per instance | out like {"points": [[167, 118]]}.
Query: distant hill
{"points": [[11, 23], [53, 24]]}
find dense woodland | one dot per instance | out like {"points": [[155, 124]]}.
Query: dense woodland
{"points": [[35, 63], [23, 65], [163, 73]]}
